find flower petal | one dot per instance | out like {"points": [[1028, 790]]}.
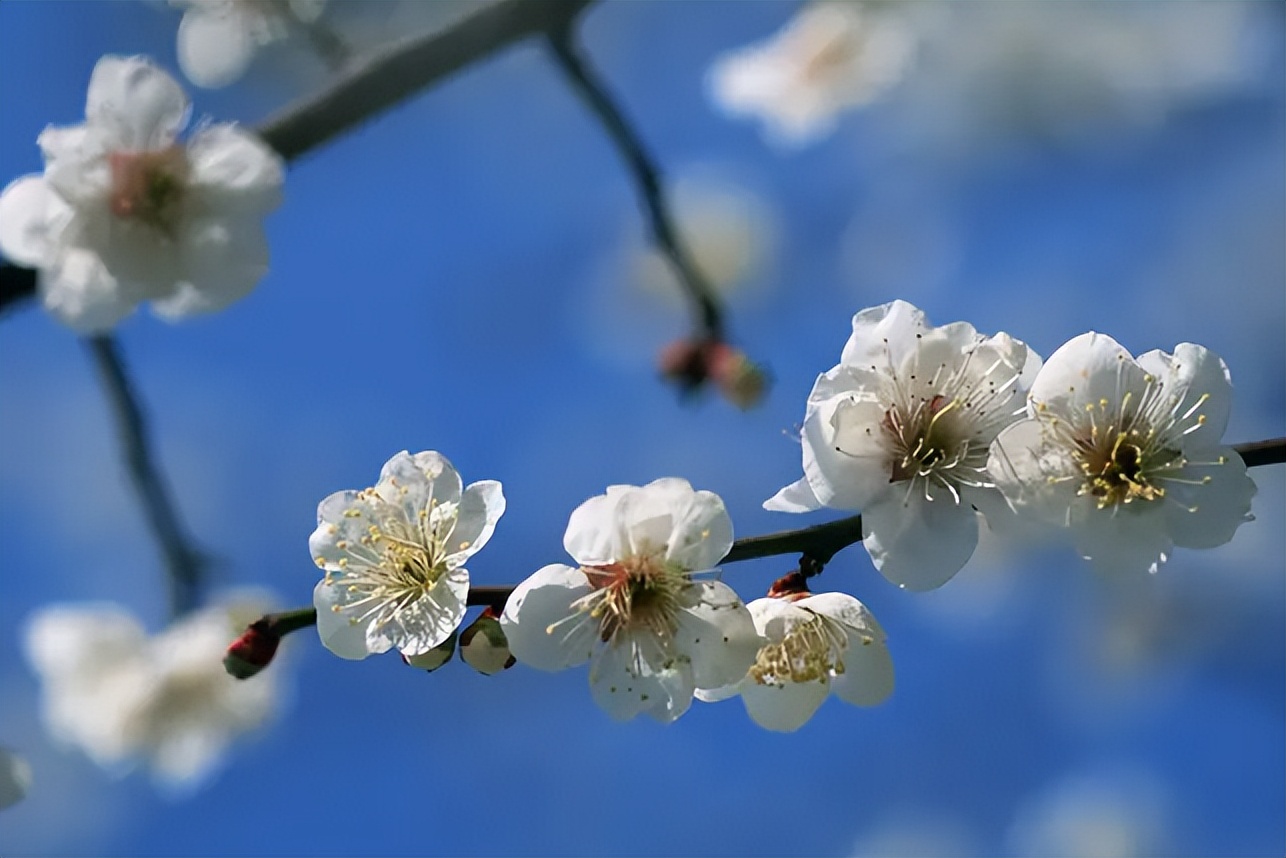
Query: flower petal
{"points": [[846, 457], [83, 294], [796, 497], [424, 481], [867, 679], [342, 635], [1085, 370], [1034, 471], [1206, 515], [60, 641], [215, 45], [717, 634], [428, 621], [222, 261], [625, 682], [481, 506], [884, 336], [76, 164], [1196, 381], [784, 708], [534, 615], [139, 105], [594, 536], [234, 172], [31, 218], [1121, 539], [919, 544]]}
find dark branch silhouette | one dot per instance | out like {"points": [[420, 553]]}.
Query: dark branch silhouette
{"points": [[583, 78], [183, 562]]}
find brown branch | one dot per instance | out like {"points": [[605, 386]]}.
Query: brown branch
{"points": [[376, 82], [593, 92], [183, 562], [1256, 453]]}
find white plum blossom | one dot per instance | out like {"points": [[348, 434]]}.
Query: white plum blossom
{"points": [[218, 38], [15, 778], [830, 57], [651, 632], [122, 696], [1127, 453], [815, 646], [126, 213], [901, 429], [394, 556]]}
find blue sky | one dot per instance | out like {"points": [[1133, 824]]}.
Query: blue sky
{"points": [[455, 276]]}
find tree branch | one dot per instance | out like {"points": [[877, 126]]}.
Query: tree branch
{"points": [[1256, 453], [584, 80], [17, 285], [376, 82], [184, 563]]}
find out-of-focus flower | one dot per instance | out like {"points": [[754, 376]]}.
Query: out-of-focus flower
{"points": [[121, 696], [900, 430], [219, 38], [483, 645], [831, 57], [632, 608], [125, 213], [815, 645], [394, 556], [1127, 452], [15, 778], [1111, 814]]}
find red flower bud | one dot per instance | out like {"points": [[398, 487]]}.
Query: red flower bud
{"points": [[253, 651]]}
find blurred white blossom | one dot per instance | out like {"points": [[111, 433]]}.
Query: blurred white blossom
{"points": [[814, 646], [652, 633], [394, 556], [15, 778], [1127, 453], [900, 430], [831, 57], [218, 38], [125, 213], [122, 696], [1121, 814]]}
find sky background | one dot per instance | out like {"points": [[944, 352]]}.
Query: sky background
{"points": [[466, 274]]}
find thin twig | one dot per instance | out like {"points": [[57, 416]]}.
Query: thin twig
{"points": [[1256, 453], [183, 563], [376, 82], [17, 285], [585, 81]]}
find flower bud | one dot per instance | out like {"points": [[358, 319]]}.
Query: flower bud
{"points": [[253, 651], [483, 645], [434, 658], [792, 587], [691, 364]]}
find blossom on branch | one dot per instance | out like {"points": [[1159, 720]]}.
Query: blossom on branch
{"points": [[15, 778], [1127, 453], [218, 38], [651, 632], [901, 429], [394, 556], [125, 213], [815, 645], [122, 696], [831, 57]]}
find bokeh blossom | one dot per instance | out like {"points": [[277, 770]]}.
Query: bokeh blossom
{"points": [[15, 778], [814, 646], [1127, 453], [218, 38], [901, 429], [122, 696], [651, 632], [394, 556], [126, 213]]}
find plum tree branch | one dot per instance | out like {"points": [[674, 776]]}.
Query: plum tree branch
{"points": [[817, 544], [585, 81], [183, 562]]}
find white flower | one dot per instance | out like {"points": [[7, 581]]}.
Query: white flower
{"points": [[815, 645], [121, 696], [394, 556], [219, 38], [900, 430], [829, 58], [15, 778], [1127, 452], [124, 213], [651, 632]]}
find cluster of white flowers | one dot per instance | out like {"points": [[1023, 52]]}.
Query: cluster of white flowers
{"points": [[922, 428], [219, 38], [125, 213], [122, 696]]}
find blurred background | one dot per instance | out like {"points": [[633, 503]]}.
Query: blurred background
{"points": [[470, 273]]}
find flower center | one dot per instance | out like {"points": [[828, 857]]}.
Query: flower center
{"points": [[1120, 475], [640, 592], [810, 652], [149, 186]]}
